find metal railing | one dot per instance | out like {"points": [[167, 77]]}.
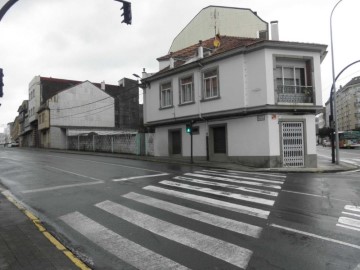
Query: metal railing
{"points": [[295, 94]]}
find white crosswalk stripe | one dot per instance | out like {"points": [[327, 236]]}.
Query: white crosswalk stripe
{"points": [[213, 182], [221, 222], [218, 184], [350, 218], [233, 172], [259, 183], [220, 193], [217, 248], [228, 178], [124, 249], [247, 210]]}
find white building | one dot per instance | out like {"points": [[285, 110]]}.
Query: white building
{"points": [[80, 106], [253, 101], [212, 20]]}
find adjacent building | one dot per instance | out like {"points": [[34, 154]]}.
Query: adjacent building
{"points": [[57, 105], [81, 106], [230, 21], [249, 100]]}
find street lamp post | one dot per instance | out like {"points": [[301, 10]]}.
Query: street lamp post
{"points": [[333, 89]]}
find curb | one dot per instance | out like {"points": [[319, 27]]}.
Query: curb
{"points": [[81, 265], [230, 166]]}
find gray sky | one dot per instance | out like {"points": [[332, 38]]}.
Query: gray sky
{"points": [[85, 39]]}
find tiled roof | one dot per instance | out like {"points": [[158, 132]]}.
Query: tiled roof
{"points": [[226, 43]]}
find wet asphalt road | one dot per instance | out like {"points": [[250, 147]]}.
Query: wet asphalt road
{"points": [[128, 214]]}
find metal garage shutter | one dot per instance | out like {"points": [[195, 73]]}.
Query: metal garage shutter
{"points": [[293, 144]]}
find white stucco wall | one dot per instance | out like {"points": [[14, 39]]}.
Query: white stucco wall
{"points": [[83, 105], [57, 138], [246, 136], [244, 81], [257, 79]]}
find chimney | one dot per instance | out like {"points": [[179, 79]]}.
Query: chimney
{"points": [[172, 62], [200, 50], [274, 30], [102, 85]]}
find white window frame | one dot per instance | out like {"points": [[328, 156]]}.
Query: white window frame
{"points": [[211, 81], [166, 99], [186, 89]]}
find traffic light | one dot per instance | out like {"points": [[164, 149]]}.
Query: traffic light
{"points": [[127, 12], [1, 82], [189, 128]]}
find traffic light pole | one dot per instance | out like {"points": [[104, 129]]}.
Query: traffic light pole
{"points": [[191, 144]]}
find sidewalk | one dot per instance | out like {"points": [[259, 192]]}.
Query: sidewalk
{"points": [[25, 243]]}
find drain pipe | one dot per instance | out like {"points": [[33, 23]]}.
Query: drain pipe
{"points": [[206, 128]]}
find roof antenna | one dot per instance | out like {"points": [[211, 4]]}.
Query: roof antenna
{"points": [[214, 16]]}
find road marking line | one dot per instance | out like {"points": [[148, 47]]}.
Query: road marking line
{"points": [[97, 181], [226, 179], [217, 184], [315, 236], [111, 164], [60, 187], [139, 177], [357, 267], [242, 209], [313, 195], [77, 174], [42, 229], [350, 214], [253, 183], [220, 193], [217, 248], [218, 221], [128, 251]]}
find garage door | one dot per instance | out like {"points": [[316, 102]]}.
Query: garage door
{"points": [[219, 134]]}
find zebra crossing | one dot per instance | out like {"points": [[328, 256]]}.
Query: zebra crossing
{"points": [[251, 194], [350, 218]]}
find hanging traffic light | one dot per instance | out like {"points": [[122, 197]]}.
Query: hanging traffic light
{"points": [[1, 82], [127, 11]]}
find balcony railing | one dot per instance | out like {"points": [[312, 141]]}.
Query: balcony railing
{"points": [[295, 94]]}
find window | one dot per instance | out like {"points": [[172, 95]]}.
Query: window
{"points": [[165, 95], [210, 84], [186, 90], [290, 79]]}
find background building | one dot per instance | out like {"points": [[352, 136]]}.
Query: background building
{"points": [[348, 105]]}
